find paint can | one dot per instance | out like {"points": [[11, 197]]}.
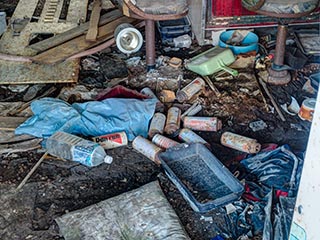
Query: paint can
{"points": [[240, 143], [211, 124], [189, 136], [190, 90], [147, 148], [112, 140], [173, 120], [307, 109], [163, 142], [157, 124]]}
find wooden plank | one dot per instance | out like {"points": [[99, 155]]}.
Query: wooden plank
{"points": [[27, 73], [11, 123], [72, 33], [7, 137], [94, 21], [77, 11], [79, 44]]}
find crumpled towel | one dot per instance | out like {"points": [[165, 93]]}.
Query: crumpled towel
{"points": [[92, 118]]}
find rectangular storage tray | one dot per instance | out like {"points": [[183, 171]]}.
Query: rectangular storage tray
{"points": [[201, 178], [170, 29]]}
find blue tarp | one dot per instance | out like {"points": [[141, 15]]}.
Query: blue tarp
{"points": [[92, 118]]}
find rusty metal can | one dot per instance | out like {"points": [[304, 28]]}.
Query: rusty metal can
{"points": [[307, 109], [190, 90], [157, 124], [163, 141], [147, 148], [167, 96], [211, 124], [112, 140], [241, 143], [189, 136], [173, 120]]}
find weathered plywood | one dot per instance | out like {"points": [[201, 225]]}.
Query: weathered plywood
{"points": [[11, 123], [27, 73], [48, 23]]}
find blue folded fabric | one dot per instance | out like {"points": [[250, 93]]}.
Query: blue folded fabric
{"points": [[92, 118]]}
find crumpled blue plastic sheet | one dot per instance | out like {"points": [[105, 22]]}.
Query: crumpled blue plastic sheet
{"points": [[279, 169], [92, 118]]}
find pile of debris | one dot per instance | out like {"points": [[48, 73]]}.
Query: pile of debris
{"points": [[199, 148]]}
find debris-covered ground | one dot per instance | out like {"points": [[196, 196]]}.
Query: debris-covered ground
{"points": [[58, 186]]}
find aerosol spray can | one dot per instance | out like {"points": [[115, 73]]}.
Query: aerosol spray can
{"points": [[157, 124], [211, 124], [147, 91], [113, 140], [190, 90], [173, 120], [189, 136], [193, 110], [240, 143], [147, 148], [163, 141]]}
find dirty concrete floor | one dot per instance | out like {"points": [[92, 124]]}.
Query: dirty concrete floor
{"points": [[59, 186]]}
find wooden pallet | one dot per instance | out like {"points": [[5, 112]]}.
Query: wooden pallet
{"points": [[47, 22]]}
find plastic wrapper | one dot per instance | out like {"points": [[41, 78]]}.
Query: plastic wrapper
{"points": [[143, 214]]}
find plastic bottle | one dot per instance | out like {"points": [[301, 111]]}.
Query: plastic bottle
{"points": [[71, 147]]}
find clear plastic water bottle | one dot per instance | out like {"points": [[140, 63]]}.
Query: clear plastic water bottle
{"points": [[71, 147]]}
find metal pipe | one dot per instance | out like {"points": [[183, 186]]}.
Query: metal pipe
{"points": [[280, 45], [150, 44]]}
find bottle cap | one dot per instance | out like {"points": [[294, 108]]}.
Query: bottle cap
{"points": [[108, 159]]}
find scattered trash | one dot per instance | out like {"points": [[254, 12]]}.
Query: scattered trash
{"points": [[163, 141], [18, 88], [240, 143], [190, 90], [173, 120], [212, 61], [207, 219], [147, 148], [183, 41], [293, 108], [128, 38], [120, 92], [159, 105], [32, 92], [200, 177], [126, 216], [175, 62], [189, 136], [18, 147], [307, 109], [71, 147], [239, 41], [112, 140], [77, 93], [167, 96], [193, 110], [211, 124], [157, 125], [258, 125]]}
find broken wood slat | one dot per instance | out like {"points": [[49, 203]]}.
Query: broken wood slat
{"points": [[72, 33], [79, 44], [7, 137], [11, 123], [94, 20], [21, 146]]}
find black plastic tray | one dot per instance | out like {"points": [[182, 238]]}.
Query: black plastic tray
{"points": [[200, 177]]}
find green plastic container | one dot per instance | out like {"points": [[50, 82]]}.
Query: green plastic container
{"points": [[212, 61]]}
